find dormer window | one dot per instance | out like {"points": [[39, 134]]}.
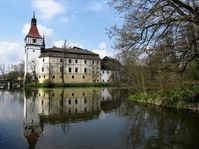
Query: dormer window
{"points": [[34, 40]]}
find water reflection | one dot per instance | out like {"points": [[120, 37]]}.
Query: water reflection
{"points": [[57, 106], [153, 127]]}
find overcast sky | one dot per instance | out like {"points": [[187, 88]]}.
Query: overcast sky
{"points": [[81, 22]]}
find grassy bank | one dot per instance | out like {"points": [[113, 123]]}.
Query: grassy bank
{"points": [[184, 96], [49, 85]]}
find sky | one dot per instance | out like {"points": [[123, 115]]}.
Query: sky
{"points": [[81, 23]]}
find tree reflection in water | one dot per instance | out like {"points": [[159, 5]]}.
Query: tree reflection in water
{"points": [[152, 127]]}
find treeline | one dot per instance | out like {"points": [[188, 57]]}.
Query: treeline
{"points": [[13, 73]]}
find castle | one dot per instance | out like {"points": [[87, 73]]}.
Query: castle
{"points": [[61, 65]]}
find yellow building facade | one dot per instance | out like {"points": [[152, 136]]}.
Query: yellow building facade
{"points": [[78, 66]]}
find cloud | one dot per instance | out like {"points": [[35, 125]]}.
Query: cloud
{"points": [[11, 52], [64, 19], [48, 8], [102, 45], [102, 50], [103, 53], [97, 6]]}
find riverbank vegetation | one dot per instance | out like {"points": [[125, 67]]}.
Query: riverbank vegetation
{"points": [[183, 97], [158, 45]]}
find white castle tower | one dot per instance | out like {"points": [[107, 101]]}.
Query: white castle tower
{"points": [[34, 43]]}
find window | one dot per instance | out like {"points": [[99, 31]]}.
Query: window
{"points": [[53, 76], [97, 62], [33, 61], [76, 61], [72, 94], [69, 61], [60, 60], [83, 77], [85, 70], [72, 77], [83, 94], [69, 69], [69, 102], [34, 40], [76, 101], [85, 101], [42, 69], [103, 80], [85, 109], [76, 69], [93, 62], [39, 76], [44, 76], [103, 71], [107, 72], [43, 59], [33, 50], [85, 62]]}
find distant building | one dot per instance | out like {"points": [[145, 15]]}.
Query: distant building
{"points": [[110, 70], [1, 78]]}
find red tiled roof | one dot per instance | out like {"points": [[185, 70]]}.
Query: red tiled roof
{"points": [[33, 32]]}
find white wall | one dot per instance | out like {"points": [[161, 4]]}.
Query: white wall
{"points": [[106, 76]]}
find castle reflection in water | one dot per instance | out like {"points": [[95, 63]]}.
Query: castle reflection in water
{"points": [[57, 106]]}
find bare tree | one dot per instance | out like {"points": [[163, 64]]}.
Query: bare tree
{"points": [[146, 22], [63, 61], [3, 71], [95, 70], [21, 68], [50, 69], [33, 67]]}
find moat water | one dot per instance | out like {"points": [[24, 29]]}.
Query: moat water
{"points": [[91, 118]]}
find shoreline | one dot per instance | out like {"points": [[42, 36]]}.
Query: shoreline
{"points": [[157, 102], [184, 97], [66, 85]]}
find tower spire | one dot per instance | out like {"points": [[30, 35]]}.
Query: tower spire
{"points": [[43, 44], [33, 21], [33, 32], [33, 14]]}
